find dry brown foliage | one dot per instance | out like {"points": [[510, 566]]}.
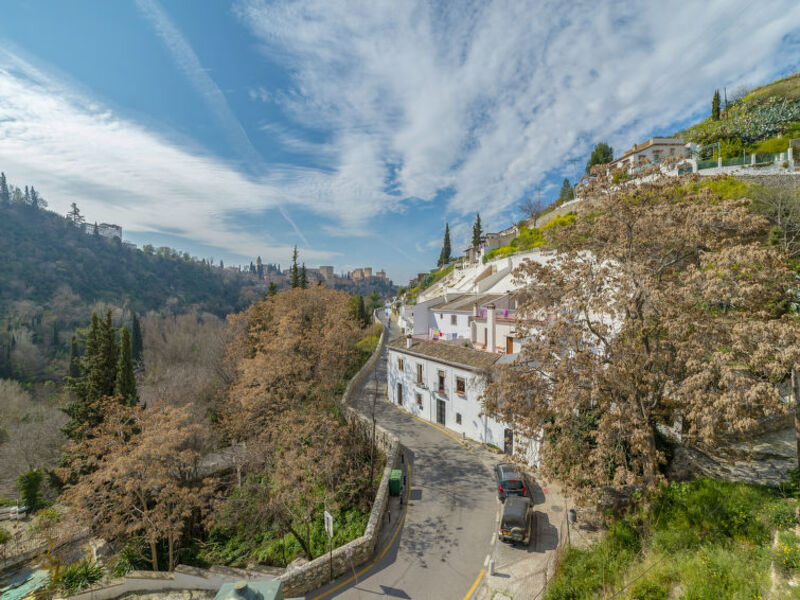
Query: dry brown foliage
{"points": [[291, 356], [662, 306], [139, 475]]}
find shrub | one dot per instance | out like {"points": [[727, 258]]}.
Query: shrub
{"points": [[4, 536], [773, 146], [78, 576], [787, 552], [29, 485]]}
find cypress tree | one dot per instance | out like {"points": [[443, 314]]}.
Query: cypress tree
{"points": [[602, 154], [303, 278], [567, 193], [272, 288], [295, 271], [715, 106], [125, 384], [137, 343], [477, 231], [362, 311], [102, 366], [74, 360], [5, 196], [444, 257]]}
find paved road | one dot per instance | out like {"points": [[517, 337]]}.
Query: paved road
{"points": [[446, 536]]}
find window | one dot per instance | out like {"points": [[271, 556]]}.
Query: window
{"points": [[458, 418], [441, 381], [461, 386], [419, 400], [400, 364], [419, 373], [453, 320]]}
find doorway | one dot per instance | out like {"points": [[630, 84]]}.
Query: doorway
{"points": [[440, 412], [509, 345], [400, 394]]}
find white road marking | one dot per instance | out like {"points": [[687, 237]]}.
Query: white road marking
{"points": [[486, 561], [494, 539]]}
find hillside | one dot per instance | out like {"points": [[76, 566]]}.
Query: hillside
{"points": [[762, 121], [52, 275]]}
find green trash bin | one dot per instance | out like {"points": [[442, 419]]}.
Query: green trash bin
{"points": [[395, 482]]}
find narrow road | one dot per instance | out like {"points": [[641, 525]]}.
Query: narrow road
{"points": [[444, 541]]}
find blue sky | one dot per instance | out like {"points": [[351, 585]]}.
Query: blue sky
{"points": [[352, 129]]}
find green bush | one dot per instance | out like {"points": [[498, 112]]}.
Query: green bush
{"points": [[711, 537], [129, 558], [5, 502], [78, 576], [30, 489], [4, 536], [773, 146], [787, 552]]}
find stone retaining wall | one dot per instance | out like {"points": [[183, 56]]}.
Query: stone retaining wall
{"points": [[182, 578]]}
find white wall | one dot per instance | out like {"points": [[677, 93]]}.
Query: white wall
{"points": [[441, 320], [473, 424]]}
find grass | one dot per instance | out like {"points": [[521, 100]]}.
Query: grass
{"points": [[530, 237], [701, 540]]}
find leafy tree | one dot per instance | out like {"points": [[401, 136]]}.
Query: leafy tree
{"points": [[125, 385], [5, 196], [137, 343], [567, 192], [272, 288], [303, 277], [666, 305], [477, 231], [601, 154], [444, 257], [295, 271], [138, 466], [29, 485], [715, 106]]}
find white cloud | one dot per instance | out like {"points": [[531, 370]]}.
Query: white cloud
{"points": [[77, 151], [490, 97]]}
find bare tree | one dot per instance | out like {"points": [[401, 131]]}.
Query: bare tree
{"points": [[532, 209], [654, 311]]}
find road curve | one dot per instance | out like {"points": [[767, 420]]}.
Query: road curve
{"points": [[445, 538]]}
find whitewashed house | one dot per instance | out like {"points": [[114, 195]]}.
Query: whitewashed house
{"points": [[443, 382]]}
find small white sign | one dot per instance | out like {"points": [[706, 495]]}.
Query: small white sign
{"points": [[328, 524]]}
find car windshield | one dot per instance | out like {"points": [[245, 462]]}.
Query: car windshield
{"points": [[512, 484]]}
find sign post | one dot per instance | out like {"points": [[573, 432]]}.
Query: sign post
{"points": [[329, 530]]}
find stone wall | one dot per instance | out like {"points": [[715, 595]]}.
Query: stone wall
{"points": [[182, 578]]}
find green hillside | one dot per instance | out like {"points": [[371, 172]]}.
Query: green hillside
{"points": [[52, 275], [762, 121]]}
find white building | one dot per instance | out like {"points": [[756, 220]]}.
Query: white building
{"points": [[653, 151], [443, 383]]}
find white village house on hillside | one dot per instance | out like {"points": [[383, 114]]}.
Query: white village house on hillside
{"points": [[443, 382]]}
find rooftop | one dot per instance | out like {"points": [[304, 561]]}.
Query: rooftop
{"points": [[449, 353], [465, 302]]}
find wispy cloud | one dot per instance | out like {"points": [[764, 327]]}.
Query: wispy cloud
{"points": [[490, 97], [187, 61], [118, 171]]}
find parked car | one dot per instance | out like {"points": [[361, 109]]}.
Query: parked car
{"points": [[516, 524], [510, 482]]}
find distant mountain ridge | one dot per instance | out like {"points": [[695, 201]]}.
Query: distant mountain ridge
{"points": [[52, 274]]}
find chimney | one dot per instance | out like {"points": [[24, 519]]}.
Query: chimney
{"points": [[490, 328], [409, 341], [475, 309]]}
